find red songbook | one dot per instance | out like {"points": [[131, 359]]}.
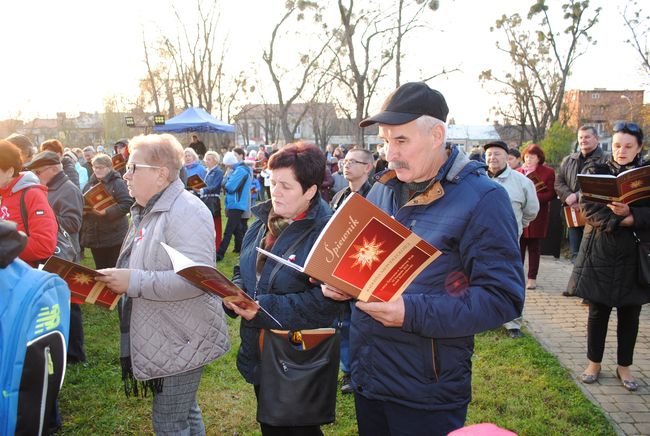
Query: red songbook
{"points": [[118, 162], [210, 280], [628, 187], [98, 198], [573, 217], [82, 283], [195, 182], [365, 253], [540, 186]]}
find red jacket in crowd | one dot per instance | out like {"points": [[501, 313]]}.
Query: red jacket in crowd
{"points": [[42, 223]]}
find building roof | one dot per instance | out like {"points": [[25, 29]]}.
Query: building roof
{"points": [[472, 133]]}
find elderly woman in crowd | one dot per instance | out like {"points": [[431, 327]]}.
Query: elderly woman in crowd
{"points": [[210, 194], [605, 272], [544, 178], [104, 230], [170, 329], [39, 222], [192, 163], [288, 224]]}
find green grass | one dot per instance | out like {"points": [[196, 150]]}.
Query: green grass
{"points": [[516, 385]]}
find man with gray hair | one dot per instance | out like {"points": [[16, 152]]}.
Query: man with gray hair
{"points": [[566, 179], [411, 357]]}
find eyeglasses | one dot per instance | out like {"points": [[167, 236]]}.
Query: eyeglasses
{"points": [[345, 162], [131, 167], [630, 127]]}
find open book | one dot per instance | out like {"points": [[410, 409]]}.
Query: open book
{"points": [[628, 187], [82, 283], [195, 182], [365, 253], [118, 162], [98, 198], [540, 186], [209, 279]]}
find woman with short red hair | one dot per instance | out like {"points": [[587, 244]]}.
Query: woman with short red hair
{"points": [[35, 218], [544, 178]]}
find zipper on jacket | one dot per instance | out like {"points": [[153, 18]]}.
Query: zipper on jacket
{"points": [[433, 359], [286, 366], [48, 368]]}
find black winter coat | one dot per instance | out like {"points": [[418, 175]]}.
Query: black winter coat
{"points": [[108, 230], [605, 271]]}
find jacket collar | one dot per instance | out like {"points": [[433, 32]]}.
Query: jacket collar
{"points": [[596, 154], [262, 210], [168, 196], [456, 167], [57, 181]]}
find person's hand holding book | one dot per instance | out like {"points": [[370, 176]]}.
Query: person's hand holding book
{"points": [[247, 313], [117, 279], [334, 293], [390, 314]]}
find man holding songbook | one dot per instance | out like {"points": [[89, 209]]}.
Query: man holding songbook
{"points": [[566, 180], [411, 357]]}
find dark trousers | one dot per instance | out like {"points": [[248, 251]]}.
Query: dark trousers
{"points": [[379, 418], [626, 332], [105, 257], [271, 430], [533, 246], [233, 227], [575, 238], [76, 351]]}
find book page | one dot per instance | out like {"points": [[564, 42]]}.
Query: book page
{"points": [[210, 280]]}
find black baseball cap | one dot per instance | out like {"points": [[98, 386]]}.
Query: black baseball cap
{"points": [[409, 102], [499, 144]]}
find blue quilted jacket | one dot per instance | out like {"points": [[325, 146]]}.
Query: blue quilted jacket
{"points": [[476, 285]]}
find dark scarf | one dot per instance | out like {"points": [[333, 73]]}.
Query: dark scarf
{"points": [[130, 383], [275, 226]]}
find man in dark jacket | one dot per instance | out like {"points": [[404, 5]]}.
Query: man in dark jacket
{"points": [[566, 179], [411, 358], [67, 203]]}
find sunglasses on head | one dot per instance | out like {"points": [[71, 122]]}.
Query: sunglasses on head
{"points": [[630, 127]]}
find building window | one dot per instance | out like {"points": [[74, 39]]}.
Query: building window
{"points": [[595, 96]]}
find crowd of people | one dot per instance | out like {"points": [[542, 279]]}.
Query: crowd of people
{"points": [[408, 361]]}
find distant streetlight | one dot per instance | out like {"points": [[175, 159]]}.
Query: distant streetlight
{"points": [[159, 120], [629, 102]]}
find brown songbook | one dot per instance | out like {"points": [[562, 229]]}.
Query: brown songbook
{"points": [[195, 182], [365, 253], [118, 162], [210, 280], [573, 217], [82, 283], [98, 198], [540, 186], [628, 187]]}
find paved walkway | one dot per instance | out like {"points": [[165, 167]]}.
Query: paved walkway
{"points": [[560, 325]]}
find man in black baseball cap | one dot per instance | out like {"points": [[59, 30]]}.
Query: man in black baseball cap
{"points": [[411, 356]]}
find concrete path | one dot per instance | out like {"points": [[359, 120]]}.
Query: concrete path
{"points": [[560, 325]]}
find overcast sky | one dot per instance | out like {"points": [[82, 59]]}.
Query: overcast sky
{"points": [[70, 54]]}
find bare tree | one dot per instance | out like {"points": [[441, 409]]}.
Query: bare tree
{"points": [[309, 63], [638, 24], [542, 61]]}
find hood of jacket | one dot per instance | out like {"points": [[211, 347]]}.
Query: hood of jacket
{"points": [[26, 179]]}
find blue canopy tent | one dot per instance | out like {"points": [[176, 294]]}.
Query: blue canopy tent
{"points": [[195, 120]]}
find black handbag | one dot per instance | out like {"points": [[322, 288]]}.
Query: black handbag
{"points": [[297, 386], [643, 262], [213, 202]]}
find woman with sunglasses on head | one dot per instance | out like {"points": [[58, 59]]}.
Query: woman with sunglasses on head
{"points": [[605, 272], [169, 329]]}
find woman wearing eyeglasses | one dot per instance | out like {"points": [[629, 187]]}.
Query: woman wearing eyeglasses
{"points": [[103, 231], [605, 272], [170, 329]]}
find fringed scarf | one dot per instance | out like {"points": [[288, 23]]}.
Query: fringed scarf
{"points": [[131, 385], [275, 225]]}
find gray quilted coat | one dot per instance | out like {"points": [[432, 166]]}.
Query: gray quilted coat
{"points": [[175, 327]]}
